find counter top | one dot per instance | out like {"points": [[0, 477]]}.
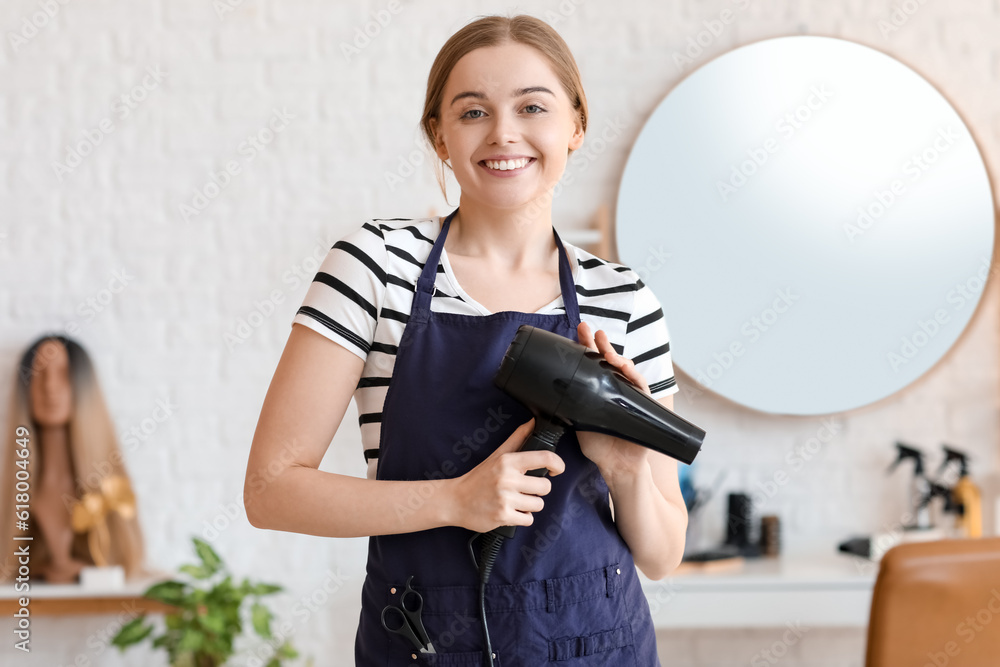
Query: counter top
{"points": [[812, 589]]}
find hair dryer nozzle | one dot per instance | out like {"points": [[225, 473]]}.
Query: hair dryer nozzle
{"points": [[561, 380]]}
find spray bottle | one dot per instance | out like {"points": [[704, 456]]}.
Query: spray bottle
{"points": [[946, 494], [920, 487], [966, 496]]}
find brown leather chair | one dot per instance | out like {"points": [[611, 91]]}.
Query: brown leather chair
{"points": [[937, 604]]}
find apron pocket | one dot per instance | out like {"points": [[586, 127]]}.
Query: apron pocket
{"points": [[566, 648]]}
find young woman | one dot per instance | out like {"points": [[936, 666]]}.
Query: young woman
{"points": [[420, 313]]}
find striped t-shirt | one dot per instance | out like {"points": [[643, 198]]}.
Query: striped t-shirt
{"points": [[363, 291]]}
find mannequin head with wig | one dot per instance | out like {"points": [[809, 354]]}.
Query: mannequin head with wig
{"points": [[55, 383]]}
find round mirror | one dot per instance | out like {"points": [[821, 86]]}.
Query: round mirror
{"points": [[816, 220]]}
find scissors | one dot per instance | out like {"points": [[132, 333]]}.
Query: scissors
{"points": [[405, 619]]}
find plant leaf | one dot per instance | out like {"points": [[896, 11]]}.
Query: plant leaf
{"points": [[132, 632], [214, 621], [224, 590], [262, 620], [286, 651], [170, 592], [265, 589], [207, 554], [196, 571], [191, 640]]}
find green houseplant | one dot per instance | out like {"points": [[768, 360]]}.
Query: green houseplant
{"points": [[208, 619]]}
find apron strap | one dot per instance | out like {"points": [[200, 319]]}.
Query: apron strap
{"points": [[428, 276], [425, 284], [567, 285]]}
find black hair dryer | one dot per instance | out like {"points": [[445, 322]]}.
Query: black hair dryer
{"points": [[568, 385]]}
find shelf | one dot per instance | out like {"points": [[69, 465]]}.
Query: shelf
{"points": [[821, 590], [73, 599]]}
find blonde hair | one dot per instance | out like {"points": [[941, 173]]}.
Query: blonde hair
{"points": [[94, 455], [497, 31]]}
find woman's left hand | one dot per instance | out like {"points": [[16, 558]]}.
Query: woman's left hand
{"points": [[612, 455]]}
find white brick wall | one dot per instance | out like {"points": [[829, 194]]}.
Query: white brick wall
{"points": [[162, 337]]}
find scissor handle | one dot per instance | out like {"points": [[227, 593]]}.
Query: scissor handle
{"points": [[409, 593], [403, 627], [412, 604]]}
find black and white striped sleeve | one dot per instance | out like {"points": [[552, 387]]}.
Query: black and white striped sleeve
{"points": [[647, 342], [343, 300]]}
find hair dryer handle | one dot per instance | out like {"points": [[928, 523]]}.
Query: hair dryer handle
{"points": [[545, 436]]}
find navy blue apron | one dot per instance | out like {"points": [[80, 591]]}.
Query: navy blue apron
{"points": [[563, 590]]}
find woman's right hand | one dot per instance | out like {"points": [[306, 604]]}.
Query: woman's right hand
{"points": [[497, 492]]}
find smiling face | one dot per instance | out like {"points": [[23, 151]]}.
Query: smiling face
{"points": [[506, 102]]}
